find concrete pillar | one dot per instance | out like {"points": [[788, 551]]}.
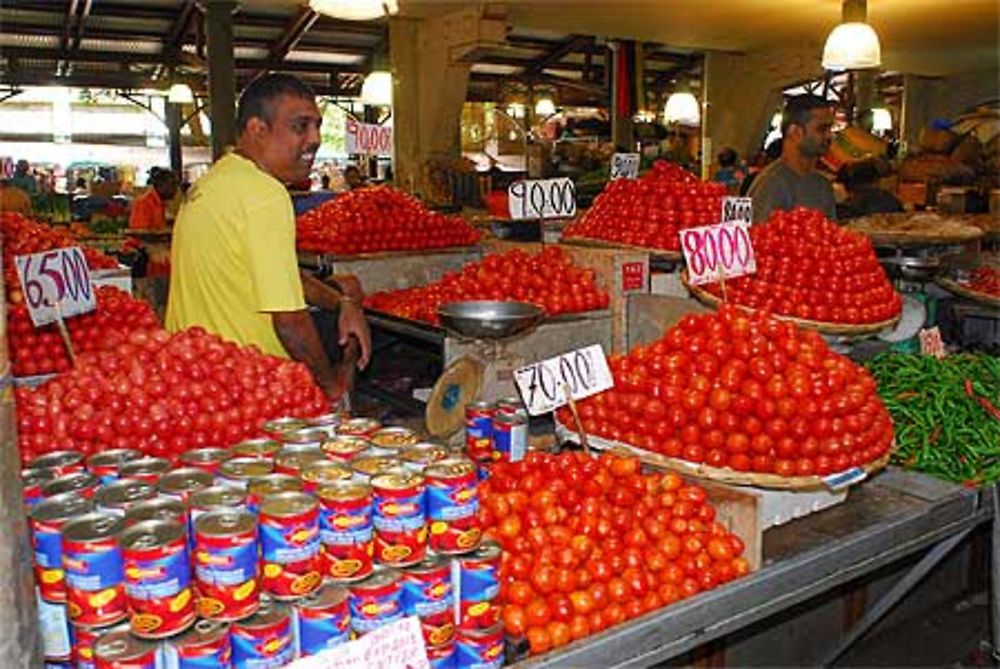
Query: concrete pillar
{"points": [[221, 73], [174, 118]]}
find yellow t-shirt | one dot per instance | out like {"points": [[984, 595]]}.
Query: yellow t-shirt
{"points": [[233, 256]]}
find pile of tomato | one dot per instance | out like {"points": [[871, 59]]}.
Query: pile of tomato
{"points": [[984, 280], [379, 218], [548, 279], [592, 542], [746, 392], [811, 268], [42, 351], [649, 211], [163, 393]]}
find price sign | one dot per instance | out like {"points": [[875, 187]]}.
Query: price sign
{"points": [[367, 138], [56, 284], [633, 276], [543, 385], [624, 166], [542, 198], [398, 644], [714, 251], [738, 209], [931, 343]]}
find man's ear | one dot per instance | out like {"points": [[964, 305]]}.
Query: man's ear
{"points": [[256, 127], [795, 132]]}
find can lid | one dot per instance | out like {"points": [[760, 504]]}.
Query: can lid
{"points": [[482, 405], [358, 426], [370, 465], [56, 459], [70, 483], [262, 446], [346, 444], [394, 437], [157, 508], [284, 504], [115, 456], [270, 613], [61, 507], [285, 424], [378, 579], [343, 490], [203, 632], [120, 645], [205, 454], [511, 418], [151, 534], [274, 483], [304, 435], [397, 479], [326, 420], [483, 632], [428, 564], [92, 527], [245, 468], [325, 470], [329, 594], [36, 476], [123, 491], [218, 496], [487, 550], [452, 467], [225, 522], [144, 466], [298, 460], [185, 479]]}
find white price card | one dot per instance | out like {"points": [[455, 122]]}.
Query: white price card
{"points": [[625, 166], [718, 251], [397, 645], [367, 138], [739, 209], [542, 198], [56, 284], [543, 385]]}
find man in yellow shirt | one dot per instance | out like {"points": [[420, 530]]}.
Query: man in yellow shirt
{"points": [[234, 269]]}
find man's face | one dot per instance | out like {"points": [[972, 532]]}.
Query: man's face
{"points": [[816, 135], [288, 144], [167, 190]]}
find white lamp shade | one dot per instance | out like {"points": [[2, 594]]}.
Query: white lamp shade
{"points": [[377, 89], [682, 108], [852, 46], [545, 107], [180, 94], [355, 10], [881, 120]]}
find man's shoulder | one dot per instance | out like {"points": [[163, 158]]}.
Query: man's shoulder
{"points": [[773, 176]]}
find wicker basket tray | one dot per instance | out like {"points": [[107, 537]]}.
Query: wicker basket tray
{"points": [[604, 244], [906, 229], [964, 291]]}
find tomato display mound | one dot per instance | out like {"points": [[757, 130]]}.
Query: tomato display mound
{"points": [[810, 268], [379, 218], [744, 392], [548, 279], [589, 543], [650, 210], [163, 393]]}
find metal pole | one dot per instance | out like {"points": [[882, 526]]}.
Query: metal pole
{"points": [[221, 73], [174, 122]]}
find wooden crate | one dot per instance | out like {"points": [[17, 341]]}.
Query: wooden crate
{"points": [[395, 270]]}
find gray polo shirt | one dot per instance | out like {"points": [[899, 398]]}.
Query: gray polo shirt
{"points": [[780, 187]]}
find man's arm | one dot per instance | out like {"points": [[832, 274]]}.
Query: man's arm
{"points": [[298, 335], [351, 320]]}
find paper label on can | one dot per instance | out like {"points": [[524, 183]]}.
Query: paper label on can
{"points": [[94, 570], [318, 632], [226, 566], [346, 526], [207, 656], [481, 655], [426, 598], [274, 650], [478, 581], [285, 545], [371, 612], [54, 625], [48, 549], [155, 579], [446, 502], [399, 514]]}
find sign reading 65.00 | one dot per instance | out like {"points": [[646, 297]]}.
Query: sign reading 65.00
{"points": [[55, 284]]}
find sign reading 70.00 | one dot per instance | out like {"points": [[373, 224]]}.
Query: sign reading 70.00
{"points": [[581, 373]]}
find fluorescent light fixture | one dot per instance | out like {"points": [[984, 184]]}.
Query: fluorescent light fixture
{"points": [[355, 10], [682, 107], [852, 46], [180, 94], [377, 89]]}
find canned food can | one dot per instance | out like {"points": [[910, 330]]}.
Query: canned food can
{"points": [[442, 657], [277, 428], [59, 463], [511, 406], [84, 640], [95, 574], [476, 582], [265, 640], [346, 529], [158, 508], [262, 448], [216, 497], [32, 481], [453, 506], [479, 430], [84, 484], [510, 437], [147, 469], [376, 601], [358, 427], [258, 489], [327, 422], [367, 466], [158, 578], [393, 438], [305, 437], [322, 619], [427, 594], [206, 458], [121, 650], [55, 630], [47, 520], [225, 564], [118, 496], [323, 471], [206, 645], [344, 448], [182, 483], [236, 472], [479, 648], [294, 460], [418, 456], [289, 540], [104, 465], [400, 523]]}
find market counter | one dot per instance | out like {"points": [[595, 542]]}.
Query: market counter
{"points": [[895, 515]]}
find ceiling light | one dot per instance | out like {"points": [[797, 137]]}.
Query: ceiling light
{"points": [[682, 107], [180, 94], [515, 110], [881, 120], [377, 89], [545, 107], [355, 10], [852, 46]]}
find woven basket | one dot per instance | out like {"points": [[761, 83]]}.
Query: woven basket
{"points": [[604, 244], [964, 291]]}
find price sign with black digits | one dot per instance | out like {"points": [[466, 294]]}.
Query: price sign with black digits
{"points": [[56, 284], [713, 252], [542, 198], [624, 166], [581, 373], [737, 209]]}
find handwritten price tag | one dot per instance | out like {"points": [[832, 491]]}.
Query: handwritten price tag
{"points": [[56, 284], [738, 209], [542, 198], [543, 385], [722, 250], [398, 644], [367, 138], [624, 166]]}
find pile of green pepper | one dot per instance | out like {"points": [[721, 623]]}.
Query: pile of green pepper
{"points": [[945, 413]]}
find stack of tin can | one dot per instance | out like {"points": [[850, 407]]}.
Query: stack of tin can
{"points": [[496, 431], [269, 550]]}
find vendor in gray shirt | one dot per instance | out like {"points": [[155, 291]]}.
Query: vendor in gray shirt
{"points": [[792, 180]]}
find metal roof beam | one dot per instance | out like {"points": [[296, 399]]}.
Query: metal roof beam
{"points": [[294, 31], [573, 43], [81, 21], [174, 40]]}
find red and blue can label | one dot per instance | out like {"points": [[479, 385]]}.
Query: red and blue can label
{"points": [[427, 588], [510, 437], [346, 529], [479, 649], [477, 585], [290, 545], [442, 657], [452, 506], [207, 645], [323, 620], [265, 640], [95, 570], [400, 522], [225, 564], [158, 578], [479, 430], [376, 601]]}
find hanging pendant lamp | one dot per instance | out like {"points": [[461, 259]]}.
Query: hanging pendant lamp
{"points": [[852, 46], [355, 10]]}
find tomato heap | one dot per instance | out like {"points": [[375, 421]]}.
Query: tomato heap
{"points": [[590, 543], [649, 211], [984, 280], [41, 350], [810, 268], [380, 218], [746, 392], [548, 279], [163, 393]]}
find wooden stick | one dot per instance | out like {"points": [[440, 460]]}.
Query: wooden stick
{"points": [[722, 281], [576, 418], [64, 331]]}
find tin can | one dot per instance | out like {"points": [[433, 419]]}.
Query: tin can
{"points": [[147, 469], [393, 438], [84, 641], [55, 630], [158, 578], [207, 458], [158, 508], [453, 506], [400, 523], [367, 466], [262, 448], [510, 437], [59, 463], [358, 427], [418, 456], [306, 437], [289, 541], [479, 648], [216, 497], [322, 620], [236, 472], [277, 428], [95, 575], [182, 483], [343, 448], [427, 594], [477, 584], [225, 564], [295, 459], [327, 422], [346, 529], [479, 430], [105, 464], [323, 471], [258, 489], [121, 650], [84, 484], [32, 481], [47, 520], [116, 497], [442, 657], [511, 406], [265, 640], [376, 601], [205, 646]]}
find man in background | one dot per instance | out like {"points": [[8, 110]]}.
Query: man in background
{"points": [[149, 210], [23, 178]]}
